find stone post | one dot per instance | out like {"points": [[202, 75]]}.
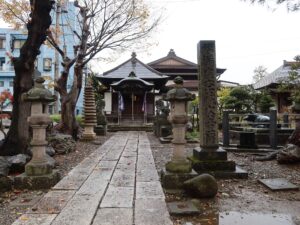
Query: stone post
{"points": [[38, 172], [209, 157], [273, 129], [90, 118], [225, 128], [101, 128], [285, 120]]}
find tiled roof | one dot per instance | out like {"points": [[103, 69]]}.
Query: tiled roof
{"points": [[172, 59], [275, 77], [140, 69]]}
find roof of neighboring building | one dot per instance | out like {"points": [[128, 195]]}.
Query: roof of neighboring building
{"points": [[140, 69], [172, 61], [193, 84], [278, 75]]}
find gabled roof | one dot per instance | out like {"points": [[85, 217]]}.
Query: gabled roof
{"points": [[140, 69], [277, 76], [171, 60]]}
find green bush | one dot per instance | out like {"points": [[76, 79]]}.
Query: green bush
{"points": [[192, 135], [79, 120], [55, 118]]}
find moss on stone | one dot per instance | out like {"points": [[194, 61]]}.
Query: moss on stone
{"points": [[179, 167]]}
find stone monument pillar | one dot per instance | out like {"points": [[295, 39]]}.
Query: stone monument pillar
{"points": [[38, 172], [209, 157], [90, 118], [179, 168]]}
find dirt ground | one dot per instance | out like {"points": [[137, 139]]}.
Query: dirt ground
{"points": [[16, 202], [238, 195]]}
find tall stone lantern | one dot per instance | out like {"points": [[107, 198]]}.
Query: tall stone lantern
{"points": [[179, 97], [38, 172]]}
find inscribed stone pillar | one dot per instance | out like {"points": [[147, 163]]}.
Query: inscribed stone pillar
{"points": [[208, 96], [209, 157]]}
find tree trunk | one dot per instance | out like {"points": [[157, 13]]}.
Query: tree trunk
{"points": [[68, 123], [18, 135], [68, 101]]}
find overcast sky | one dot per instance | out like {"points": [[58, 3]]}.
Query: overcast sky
{"points": [[246, 35]]}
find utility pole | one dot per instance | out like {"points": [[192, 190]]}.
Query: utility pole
{"points": [[56, 56]]}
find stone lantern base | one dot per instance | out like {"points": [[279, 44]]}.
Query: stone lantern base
{"points": [[46, 181], [171, 180], [216, 163], [88, 134]]}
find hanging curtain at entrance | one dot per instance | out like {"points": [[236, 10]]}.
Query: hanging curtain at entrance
{"points": [[144, 107], [120, 102]]}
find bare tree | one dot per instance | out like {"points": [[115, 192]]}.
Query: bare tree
{"points": [[259, 73], [105, 27], [39, 22], [112, 25], [291, 5]]}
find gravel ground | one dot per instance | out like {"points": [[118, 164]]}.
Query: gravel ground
{"points": [[234, 195], [237, 195], [15, 203]]}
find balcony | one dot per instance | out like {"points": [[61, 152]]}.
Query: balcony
{"points": [[6, 68]]}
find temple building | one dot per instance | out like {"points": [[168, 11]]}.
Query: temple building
{"points": [[271, 83], [133, 87]]}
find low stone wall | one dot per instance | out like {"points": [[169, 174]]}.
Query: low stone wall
{"points": [[262, 135]]}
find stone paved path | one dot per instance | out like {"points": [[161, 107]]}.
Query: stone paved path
{"points": [[117, 185]]}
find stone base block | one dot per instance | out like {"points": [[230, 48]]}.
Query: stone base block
{"points": [[179, 166], [247, 146], [37, 182], [38, 169], [171, 180], [219, 165], [100, 130], [216, 164], [88, 137], [204, 155], [237, 173]]}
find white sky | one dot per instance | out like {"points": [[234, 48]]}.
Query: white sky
{"points": [[246, 35]]}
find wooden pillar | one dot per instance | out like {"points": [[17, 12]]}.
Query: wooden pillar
{"points": [[132, 105]]}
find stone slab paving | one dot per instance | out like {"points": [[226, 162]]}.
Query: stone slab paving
{"points": [[117, 184]]}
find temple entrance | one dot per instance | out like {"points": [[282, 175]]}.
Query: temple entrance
{"points": [[133, 108]]}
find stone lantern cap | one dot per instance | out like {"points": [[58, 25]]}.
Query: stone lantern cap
{"points": [[179, 93], [39, 93]]}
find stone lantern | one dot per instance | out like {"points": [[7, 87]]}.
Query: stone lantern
{"points": [[179, 97], [38, 172]]}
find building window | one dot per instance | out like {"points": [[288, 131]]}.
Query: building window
{"points": [[36, 63], [2, 43], [2, 62], [11, 83], [18, 43], [47, 64], [1, 83]]}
